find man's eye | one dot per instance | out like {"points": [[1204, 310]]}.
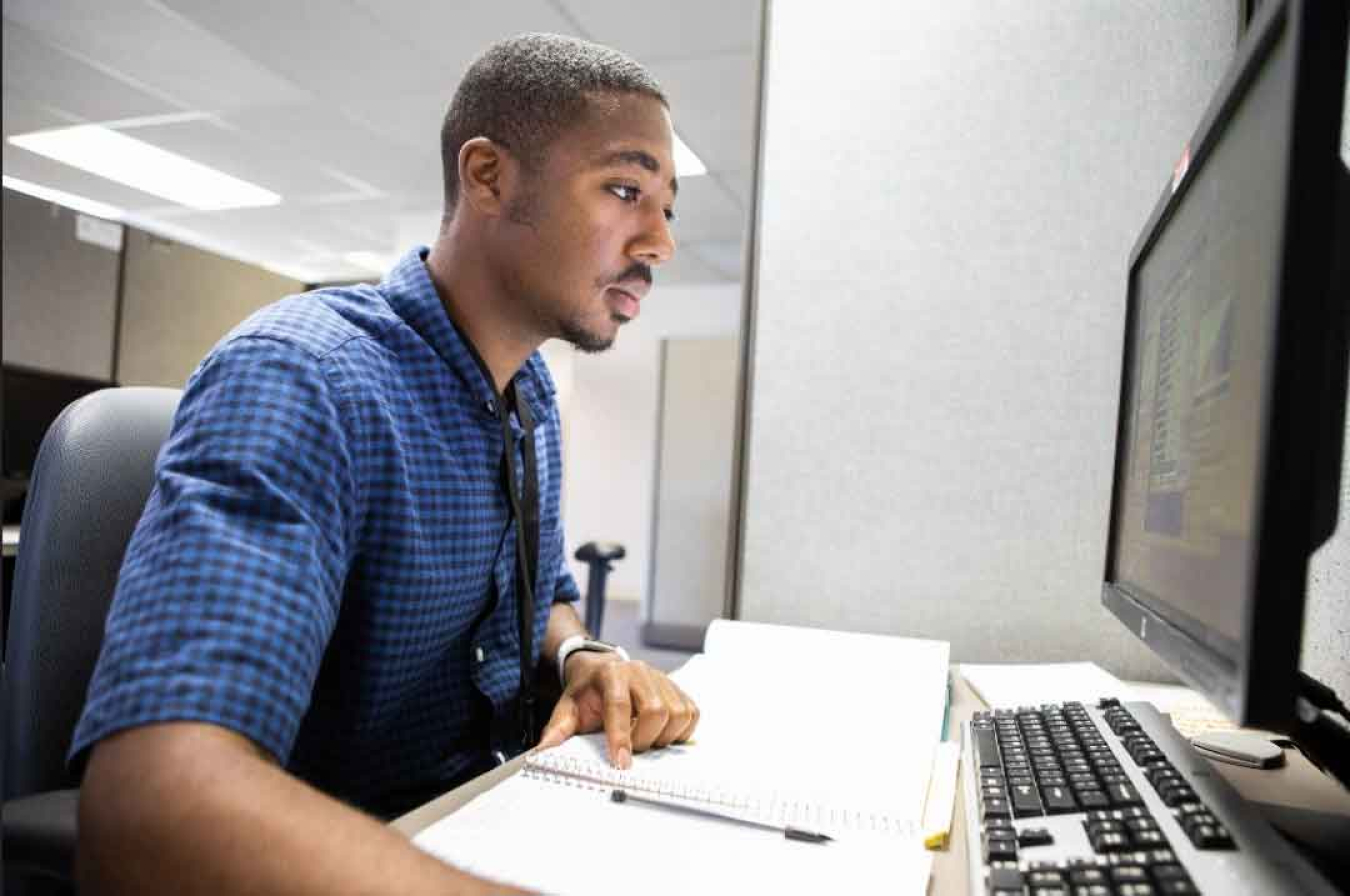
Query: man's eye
{"points": [[625, 192]]}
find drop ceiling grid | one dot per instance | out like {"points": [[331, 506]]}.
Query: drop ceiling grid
{"points": [[323, 100]]}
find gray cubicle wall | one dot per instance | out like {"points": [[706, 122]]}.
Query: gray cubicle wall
{"points": [[177, 301], [60, 290], [691, 513], [948, 197]]}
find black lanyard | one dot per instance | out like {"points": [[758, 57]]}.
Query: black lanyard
{"points": [[525, 511], [523, 506]]}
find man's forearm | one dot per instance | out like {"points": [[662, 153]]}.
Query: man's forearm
{"points": [[563, 623], [187, 808]]}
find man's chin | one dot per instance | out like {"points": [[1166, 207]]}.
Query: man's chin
{"points": [[589, 341]]}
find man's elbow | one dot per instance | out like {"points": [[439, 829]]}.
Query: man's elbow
{"points": [[136, 799]]}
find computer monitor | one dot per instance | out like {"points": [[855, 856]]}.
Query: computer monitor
{"points": [[1233, 388]]}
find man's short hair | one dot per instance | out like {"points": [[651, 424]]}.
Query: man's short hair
{"points": [[525, 91]]}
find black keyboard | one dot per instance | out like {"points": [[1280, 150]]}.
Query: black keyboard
{"points": [[1109, 800]]}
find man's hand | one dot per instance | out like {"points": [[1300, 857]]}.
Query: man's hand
{"points": [[638, 706]]}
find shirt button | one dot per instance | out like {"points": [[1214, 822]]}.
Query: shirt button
{"points": [[479, 654], [490, 406]]}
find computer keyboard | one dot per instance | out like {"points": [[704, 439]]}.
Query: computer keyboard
{"points": [[1110, 800]]}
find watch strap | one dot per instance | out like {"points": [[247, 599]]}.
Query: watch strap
{"points": [[575, 643]]}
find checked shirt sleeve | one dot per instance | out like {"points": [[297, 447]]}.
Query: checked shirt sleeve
{"points": [[231, 584]]}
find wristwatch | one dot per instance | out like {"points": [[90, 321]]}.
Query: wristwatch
{"points": [[571, 645]]}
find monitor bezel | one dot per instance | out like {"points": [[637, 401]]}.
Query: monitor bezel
{"points": [[1257, 684]]}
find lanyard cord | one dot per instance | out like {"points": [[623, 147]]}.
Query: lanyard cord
{"points": [[525, 512]]}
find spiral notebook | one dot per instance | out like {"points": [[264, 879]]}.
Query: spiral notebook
{"points": [[832, 732]]}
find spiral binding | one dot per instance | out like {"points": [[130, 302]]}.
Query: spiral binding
{"points": [[770, 808]]}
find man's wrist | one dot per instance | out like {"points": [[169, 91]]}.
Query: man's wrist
{"points": [[582, 644]]}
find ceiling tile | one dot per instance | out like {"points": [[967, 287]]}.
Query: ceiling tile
{"points": [[712, 102], [188, 66], [34, 68], [459, 32], [686, 267], [335, 50], [23, 115], [741, 184], [651, 32], [727, 257], [239, 154], [333, 141], [706, 210]]}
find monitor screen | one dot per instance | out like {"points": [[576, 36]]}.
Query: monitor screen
{"points": [[1198, 379], [1200, 524]]}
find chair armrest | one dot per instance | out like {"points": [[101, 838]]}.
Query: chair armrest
{"points": [[39, 833]]}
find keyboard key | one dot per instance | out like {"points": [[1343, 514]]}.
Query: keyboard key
{"points": [[1110, 842], [1136, 889], [1026, 801], [1177, 796], [1128, 874], [1005, 882], [1000, 848], [1178, 888], [1145, 823], [1034, 837], [1123, 795], [1211, 836], [1149, 838], [986, 749], [1093, 799], [1058, 800], [1083, 877], [993, 807]]}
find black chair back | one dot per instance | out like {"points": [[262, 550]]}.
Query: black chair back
{"points": [[89, 485]]}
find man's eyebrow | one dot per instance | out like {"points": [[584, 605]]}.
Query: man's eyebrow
{"points": [[645, 160]]}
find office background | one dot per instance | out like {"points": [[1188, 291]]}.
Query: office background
{"points": [[934, 283], [949, 195]]}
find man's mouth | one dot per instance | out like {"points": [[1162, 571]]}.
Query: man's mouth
{"points": [[623, 303]]}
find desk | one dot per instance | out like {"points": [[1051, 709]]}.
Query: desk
{"points": [[1296, 784]]}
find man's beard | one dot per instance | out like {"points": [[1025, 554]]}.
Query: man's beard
{"points": [[575, 332]]}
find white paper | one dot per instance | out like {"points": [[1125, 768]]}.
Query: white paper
{"points": [[572, 840], [1008, 686], [828, 731]]}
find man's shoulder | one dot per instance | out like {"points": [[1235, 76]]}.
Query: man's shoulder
{"points": [[320, 322]]}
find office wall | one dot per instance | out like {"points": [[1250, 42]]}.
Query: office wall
{"points": [[610, 423], [949, 194], [60, 291], [177, 301], [693, 489]]}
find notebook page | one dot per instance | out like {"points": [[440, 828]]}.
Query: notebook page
{"points": [[818, 725], [568, 840]]}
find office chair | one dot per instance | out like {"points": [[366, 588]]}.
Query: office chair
{"points": [[598, 556], [90, 483]]}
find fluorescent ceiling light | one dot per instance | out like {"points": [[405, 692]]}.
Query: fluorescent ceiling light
{"points": [[60, 197], [137, 164], [686, 163]]}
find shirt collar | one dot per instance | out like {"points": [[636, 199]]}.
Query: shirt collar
{"points": [[413, 297]]}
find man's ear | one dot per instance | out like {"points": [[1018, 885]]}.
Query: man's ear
{"points": [[486, 172]]}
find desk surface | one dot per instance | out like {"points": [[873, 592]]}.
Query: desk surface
{"points": [[1298, 783]]}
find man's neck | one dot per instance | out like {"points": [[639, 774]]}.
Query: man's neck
{"points": [[476, 304]]}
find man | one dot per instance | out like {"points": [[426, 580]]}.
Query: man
{"points": [[325, 602]]}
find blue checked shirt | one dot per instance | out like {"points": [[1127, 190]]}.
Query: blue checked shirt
{"points": [[326, 564]]}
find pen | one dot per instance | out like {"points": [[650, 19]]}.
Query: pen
{"points": [[791, 833]]}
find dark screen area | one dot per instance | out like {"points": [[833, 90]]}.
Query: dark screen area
{"points": [[1197, 389]]}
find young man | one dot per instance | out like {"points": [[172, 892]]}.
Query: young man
{"points": [[325, 605]]}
